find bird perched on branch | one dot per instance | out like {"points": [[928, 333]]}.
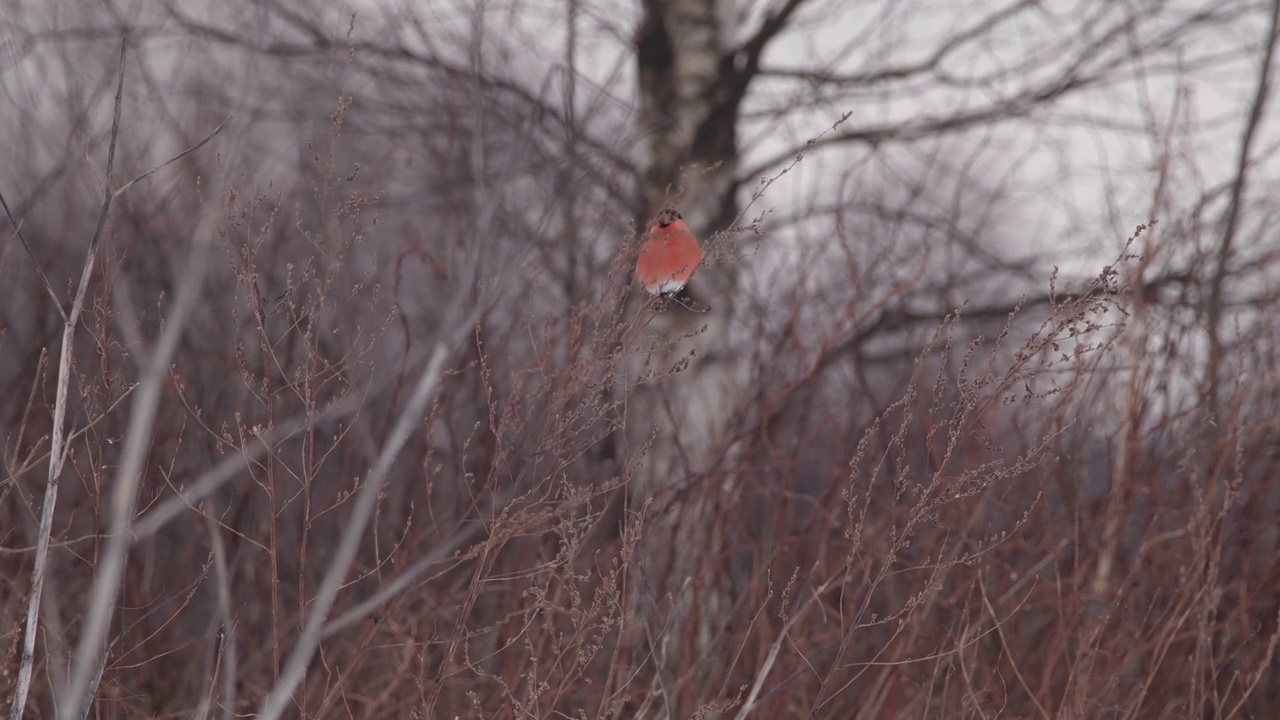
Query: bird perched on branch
{"points": [[669, 255]]}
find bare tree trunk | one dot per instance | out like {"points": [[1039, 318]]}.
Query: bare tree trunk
{"points": [[678, 419]]}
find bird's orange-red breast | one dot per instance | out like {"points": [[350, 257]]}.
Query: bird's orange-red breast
{"points": [[669, 255]]}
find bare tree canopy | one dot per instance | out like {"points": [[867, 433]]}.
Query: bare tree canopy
{"points": [[327, 387]]}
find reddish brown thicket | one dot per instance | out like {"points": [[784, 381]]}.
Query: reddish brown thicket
{"points": [[420, 448]]}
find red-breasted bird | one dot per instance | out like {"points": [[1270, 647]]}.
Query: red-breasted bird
{"points": [[669, 255]]}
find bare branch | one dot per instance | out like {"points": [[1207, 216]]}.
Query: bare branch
{"points": [[772, 25], [1089, 66], [17, 230], [930, 127], [902, 72], [1213, 305], [208, 482], [172, 160], [322, 43]]}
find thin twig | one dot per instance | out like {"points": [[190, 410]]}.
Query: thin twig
{"points": [[172, 160], [48, 286], [26, 244], [1009, 652], [771, 657], [410, 575], [215, 477]]}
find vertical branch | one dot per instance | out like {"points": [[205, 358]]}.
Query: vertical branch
{"points": [[1214, 309], [229, 663], [571, 167], [57, 447]]}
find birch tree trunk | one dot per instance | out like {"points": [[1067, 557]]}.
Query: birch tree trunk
{"points": [[677, 419]]}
